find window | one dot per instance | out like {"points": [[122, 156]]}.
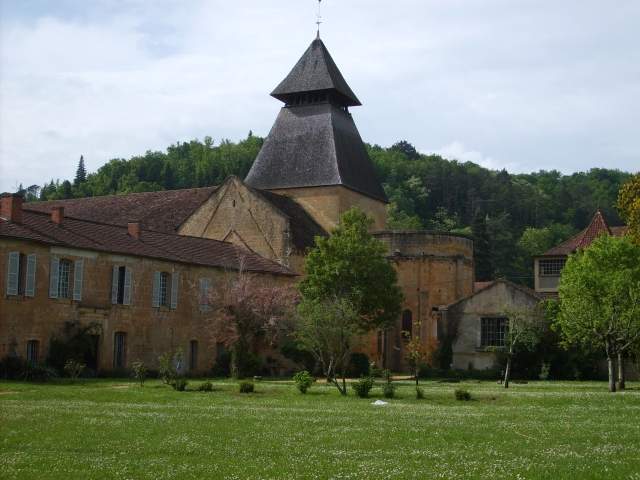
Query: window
{"points": [[121, 286], [205, 292], [33, 347], [64, 279], [119, 349], [407, 324], [165, 289], [492, 331], [551, 267], [193, 355], [21, 274]]}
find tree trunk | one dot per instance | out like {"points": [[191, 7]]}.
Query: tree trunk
{"points": [[344, 384], [416, 372], [507, 372], [621, 372], [611, 367], [234, 369]]}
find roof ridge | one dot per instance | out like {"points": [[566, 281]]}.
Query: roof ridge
{"points": [[113, 195]]}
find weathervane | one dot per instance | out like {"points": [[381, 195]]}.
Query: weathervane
{"points": [[319, 19]]}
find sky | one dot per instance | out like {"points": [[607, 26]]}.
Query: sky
{"points": [[523, 85]]}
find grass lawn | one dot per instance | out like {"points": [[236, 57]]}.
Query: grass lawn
{"points": [[104, 429]]}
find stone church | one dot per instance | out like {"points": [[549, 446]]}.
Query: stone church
{"points": [[135, 264]]}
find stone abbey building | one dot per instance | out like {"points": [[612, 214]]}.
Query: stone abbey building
{"points": [[137, 265]]}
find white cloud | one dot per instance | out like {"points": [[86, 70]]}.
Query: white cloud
{"points": [[109, 80]]}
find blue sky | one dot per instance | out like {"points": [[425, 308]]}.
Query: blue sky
{"points": [[523, 85]]}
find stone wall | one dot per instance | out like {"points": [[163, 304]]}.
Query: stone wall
{"points": [[150, 331], [327, 204]]}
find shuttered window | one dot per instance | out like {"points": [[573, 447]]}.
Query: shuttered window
{"points": [[13, 273], [121, 284], [78, 275], [175, 279], [204, 299], [64, 279], [54, 271], [30, 283], [155, 300], [33, 351]]}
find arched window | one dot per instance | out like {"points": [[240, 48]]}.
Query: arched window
{"points": [[407, 324]]}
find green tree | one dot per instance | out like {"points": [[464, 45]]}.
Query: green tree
{"points": [[524, 331], [600, 300], [81, 172], [329, 330], [351, 264], [629, 206], [482, 248]]}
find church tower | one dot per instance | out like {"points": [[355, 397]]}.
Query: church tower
{"points": [[314, 153]]}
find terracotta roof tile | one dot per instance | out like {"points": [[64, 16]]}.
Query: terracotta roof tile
{"points": [[83, 234], [162, 211], [597, 227]]}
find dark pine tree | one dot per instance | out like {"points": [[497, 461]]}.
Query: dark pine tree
{"points": [[81, 172], [482, 248], [66, 190]]}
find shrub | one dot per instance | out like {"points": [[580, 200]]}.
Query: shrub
{"points": [[419, 393], [76, 341], [74, 369], [180, 384], [303, 381], [375, 371], [358, 365], [363, 386], [462, 395], [35, 372], [544, 371], [389, 390], [205, 387], [13, 367], [139, 372], [246, 387]]}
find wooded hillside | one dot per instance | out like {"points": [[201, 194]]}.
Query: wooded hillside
{"points": [[511, 217]]}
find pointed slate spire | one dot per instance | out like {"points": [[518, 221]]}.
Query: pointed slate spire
{"points": [[314, 141], [316, 72]]}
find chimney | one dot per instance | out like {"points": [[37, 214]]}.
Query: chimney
{"points": [[57, 215], [134, 229], [11, 207]]}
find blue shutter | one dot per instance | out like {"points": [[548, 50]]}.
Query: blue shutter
{"points": [[174, 290], [30, 287], [78, 273], [127, 286], [13, 273], [156, 290], [114, 284], [54, 273]]}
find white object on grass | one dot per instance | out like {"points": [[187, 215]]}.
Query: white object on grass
{"points": [[379, 402]]}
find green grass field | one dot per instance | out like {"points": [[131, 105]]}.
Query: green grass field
{"points": [[106, 429]]}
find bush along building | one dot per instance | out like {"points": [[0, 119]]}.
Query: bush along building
{"points": [[131, 267]]}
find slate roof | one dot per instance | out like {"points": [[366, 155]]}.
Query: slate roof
{"points": [[312, 146], [88, 235], [597, 227], [162, 211], [316, 72]]}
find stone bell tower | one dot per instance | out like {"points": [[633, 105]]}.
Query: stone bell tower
{"points": [[314, 152]]}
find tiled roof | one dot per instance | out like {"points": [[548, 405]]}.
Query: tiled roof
{"points": [[88, 235], [597, 227], [488, 285], [162, 211]]}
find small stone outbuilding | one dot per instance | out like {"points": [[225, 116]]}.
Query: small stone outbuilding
{"points": [[473, 327]]}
